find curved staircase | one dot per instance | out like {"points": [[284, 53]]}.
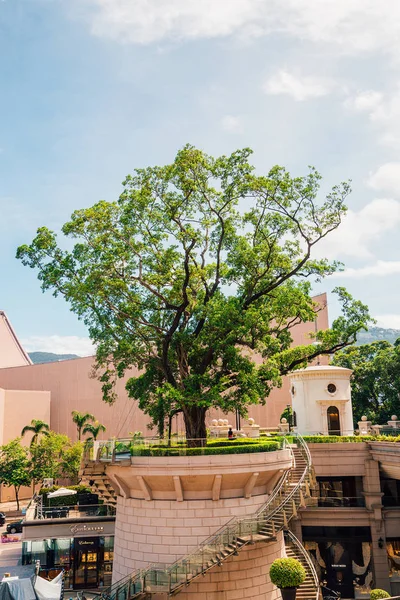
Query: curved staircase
{"points": [[274, 516]]}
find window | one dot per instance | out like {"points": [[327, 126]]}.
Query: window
{"points": [[391, 492], [340, 491], [331, 388]]}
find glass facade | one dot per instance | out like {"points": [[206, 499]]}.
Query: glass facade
{"points": [[87, 561]]}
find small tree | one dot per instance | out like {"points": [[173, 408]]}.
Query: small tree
{"points": [[200, 264], [38, 428], [94, 429], [14, 466], [70, 462], [80, 419], [46, 456]]}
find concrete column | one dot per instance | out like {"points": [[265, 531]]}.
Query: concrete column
{"points": [[380, 560]]}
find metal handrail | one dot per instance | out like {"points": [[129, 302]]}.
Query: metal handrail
{"points": [[231, 529], [307, 558]]}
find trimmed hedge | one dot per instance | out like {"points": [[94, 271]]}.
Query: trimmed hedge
{"points": [[356, 439], [336, 439], [205, 451], [378, 594], [235, 442], [287, 573]]}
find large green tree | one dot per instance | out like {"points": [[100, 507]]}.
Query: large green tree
{"points": [[197, 266], [375, 382], [15, 466]]}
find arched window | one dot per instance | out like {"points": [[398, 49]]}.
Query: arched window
{"points": [[333, 420], [294, 419]]}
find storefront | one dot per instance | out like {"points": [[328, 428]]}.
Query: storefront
{"points": [[341, 556], [83, 550]]}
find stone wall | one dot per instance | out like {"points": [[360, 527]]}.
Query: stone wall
{"points": [[157, 531], [242, 576]]}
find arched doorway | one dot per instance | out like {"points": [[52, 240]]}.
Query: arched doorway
{"points": [[333, 420]]}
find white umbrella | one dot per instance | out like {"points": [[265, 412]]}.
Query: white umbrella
{"points": [[61, 492]]}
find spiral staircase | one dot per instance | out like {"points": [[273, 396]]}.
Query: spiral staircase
{"points": [[290, 494]]}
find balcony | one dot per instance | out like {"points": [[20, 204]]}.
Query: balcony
{"points": [[74, 512]]}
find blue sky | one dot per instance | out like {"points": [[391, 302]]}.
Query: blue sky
{"points": [[91, 89]]}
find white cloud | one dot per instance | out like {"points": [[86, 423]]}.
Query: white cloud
{"points": [[59, 344], [360, 229], [388, 321], [383, 111], [366, 101], [381, 268], [386, 178], [297, 86], [351, 25], [232, 124]]}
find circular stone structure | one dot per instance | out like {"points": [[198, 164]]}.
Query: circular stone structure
{"points": [[321, 400], [167, 506]]}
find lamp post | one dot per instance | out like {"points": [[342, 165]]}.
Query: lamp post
{"points": [[289, 411], [237, 420]]}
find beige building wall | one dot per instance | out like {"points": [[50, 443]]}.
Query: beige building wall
{"points": [[17, 409], [12, 353], [242, 576]]}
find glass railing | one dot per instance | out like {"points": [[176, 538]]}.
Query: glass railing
{"points": [[273, 517], [124, 448], [73, 512]]}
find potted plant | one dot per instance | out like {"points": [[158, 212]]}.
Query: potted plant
{"points": [[378, 594], [287, 574]]}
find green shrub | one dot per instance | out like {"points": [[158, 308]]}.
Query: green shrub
{"points": [[205, 451], [377, 594], [63, 500], [236, 442], [335, 439], [287, 572]]}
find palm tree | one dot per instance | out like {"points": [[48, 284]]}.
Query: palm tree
{"points": [[38, 428], [94, 429], [80, 420]]}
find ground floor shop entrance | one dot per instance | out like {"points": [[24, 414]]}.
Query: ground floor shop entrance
{"points": [[341, 556], [86, 561]]}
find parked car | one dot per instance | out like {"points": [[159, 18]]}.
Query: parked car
{"points": [[2, 518], [14, 527]]}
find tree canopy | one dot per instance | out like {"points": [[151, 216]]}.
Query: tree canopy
{"points": [[80, 420], [14, 466], [375, 382], [38, 428], [200, 264]]}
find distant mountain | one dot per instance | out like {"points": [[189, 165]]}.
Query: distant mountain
{"points": [[375, 334], [47, 357]]}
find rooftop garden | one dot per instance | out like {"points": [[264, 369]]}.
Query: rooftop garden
{"points": [[179, 447]]}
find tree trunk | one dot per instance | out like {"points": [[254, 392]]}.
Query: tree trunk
{"points": [[195, 425], [16, 496]]}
